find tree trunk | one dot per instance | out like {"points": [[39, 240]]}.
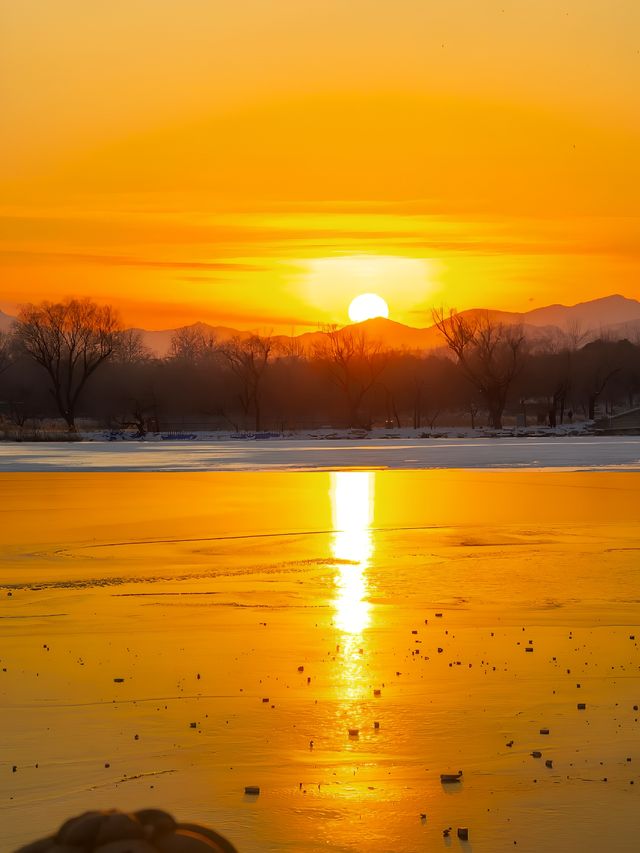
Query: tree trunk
{"points": [[496, 408], [394, 410], [353, 407], [70, 420], [417, 405]]}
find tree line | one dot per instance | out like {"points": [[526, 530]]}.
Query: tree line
{"points": [[73, 359]]}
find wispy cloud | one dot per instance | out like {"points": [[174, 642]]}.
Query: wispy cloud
{"points": [[123, 261], [213, 245], [169, 314]]}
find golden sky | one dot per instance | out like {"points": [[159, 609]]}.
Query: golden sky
{"points": [[260, 163]]}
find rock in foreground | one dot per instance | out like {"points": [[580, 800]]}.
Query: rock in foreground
{"points": [[145, 831]]}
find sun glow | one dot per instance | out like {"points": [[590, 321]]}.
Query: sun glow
{"points": [[366, 307], [328, 285]]}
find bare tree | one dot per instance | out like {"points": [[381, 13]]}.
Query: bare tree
{"points": [[192, 344], [70, 340], [248, 359], [599, 382], [576, 334], [129, 347], [600, 362], [489, 354], [5, 352], [473, 413], [354, 364], [291, 348], [559, 355], [421, 392]]}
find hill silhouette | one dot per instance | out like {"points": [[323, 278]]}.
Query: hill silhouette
{"points": [[614, 317]]}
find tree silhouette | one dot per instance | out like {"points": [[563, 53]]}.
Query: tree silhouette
{"points": [[489, 354], [5, 352], [129, 348], [70, 340], [353, 363], [192, 344], [248, 360]]}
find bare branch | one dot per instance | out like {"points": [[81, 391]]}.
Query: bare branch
{"points": [[193, 344], [5, 352], [489, 354], [354, 363], [249, 359], [129, 348], [69, 340]]}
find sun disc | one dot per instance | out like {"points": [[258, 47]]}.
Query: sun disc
{"points": [[366, 306]]}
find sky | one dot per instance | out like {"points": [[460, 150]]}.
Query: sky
{"points": [[260, 163]]}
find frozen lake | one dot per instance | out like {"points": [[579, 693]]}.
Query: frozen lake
{"points": [[584, 452], [167, 640]]}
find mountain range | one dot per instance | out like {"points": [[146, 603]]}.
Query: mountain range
{"points": [[613, 316]]}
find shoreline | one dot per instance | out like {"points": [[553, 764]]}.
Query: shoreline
{"points": [[544, 453], [180, 432]]}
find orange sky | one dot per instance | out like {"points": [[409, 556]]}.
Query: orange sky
{"points": [[260, 163]]}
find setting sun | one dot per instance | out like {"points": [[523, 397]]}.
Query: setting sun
{"points": [[319, 338], [366, 307]]}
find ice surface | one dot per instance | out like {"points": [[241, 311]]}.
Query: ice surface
{"points": [[572, 452]]}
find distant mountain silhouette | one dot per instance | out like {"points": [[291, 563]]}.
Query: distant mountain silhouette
{"points": [[613, 316], [389, 333], [596, 314]]}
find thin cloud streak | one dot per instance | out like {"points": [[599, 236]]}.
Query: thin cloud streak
{"points": [[120, 261], [229, 240]]}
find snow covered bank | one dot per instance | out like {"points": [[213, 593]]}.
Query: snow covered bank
{"points": [[570, 452]]}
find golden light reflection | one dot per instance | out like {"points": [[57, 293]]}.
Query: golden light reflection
{"points": [[352, 547], [352, 513]]}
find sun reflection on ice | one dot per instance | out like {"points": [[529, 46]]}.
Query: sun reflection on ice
{"points": [[352, 547], [352, 512]]}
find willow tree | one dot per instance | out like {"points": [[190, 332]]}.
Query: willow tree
{"points": [[489, 354], [69, 340]]}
